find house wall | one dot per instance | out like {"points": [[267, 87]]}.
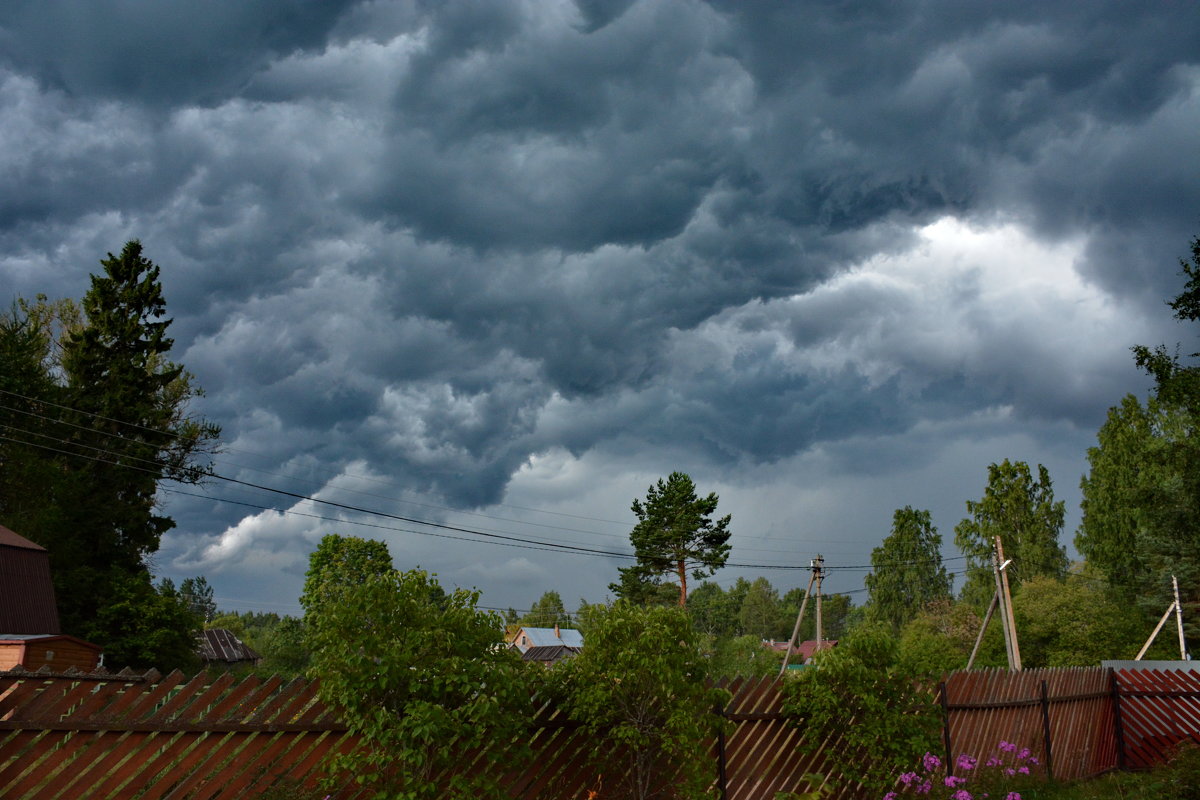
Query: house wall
{"points": [[10, 655], [59, 655]]}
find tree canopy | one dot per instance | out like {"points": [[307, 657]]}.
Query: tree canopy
{"points": [[675, 535], [95, 417], [907, 569], [1022, 511]]}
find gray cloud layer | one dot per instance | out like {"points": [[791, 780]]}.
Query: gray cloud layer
{"points": [[442, 240]]}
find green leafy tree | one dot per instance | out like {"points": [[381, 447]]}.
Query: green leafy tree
{"points": [[638, 689], [713, 614], [907, 569], [675, 535], [762, 614], [940, 637], [863, 694], [739, 656], [1022, 511], [142, 626], [420, 676], [340, 563], [1177, 383], [198, 596], [547, 612], [1076, 623], [1140, 505]]}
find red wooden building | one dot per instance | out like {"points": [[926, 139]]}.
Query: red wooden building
{"points": [[30, 636]]}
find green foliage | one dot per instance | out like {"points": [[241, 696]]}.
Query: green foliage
{"points": [[861, 692], [141, 626], [1075, 623], [739, 656], [547, 612], [1023, 513], [422, 677], [1175, 382], [939, 640], [280, 641], [638, 688], [675, 535], [100, 415], [198, 596], [762, 615], [340, 563], [1140, 505], [908, 572]]}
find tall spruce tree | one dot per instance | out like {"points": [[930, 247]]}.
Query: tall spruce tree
{"points": [[908, 572], [112, 424]]}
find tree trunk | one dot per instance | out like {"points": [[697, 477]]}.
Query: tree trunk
{"points": [[682, 584]]}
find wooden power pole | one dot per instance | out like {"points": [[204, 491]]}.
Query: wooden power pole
{"points": [[815, 577]]}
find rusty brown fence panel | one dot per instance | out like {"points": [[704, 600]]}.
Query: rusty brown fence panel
{"points": [[1158, 710], [168, 738]]}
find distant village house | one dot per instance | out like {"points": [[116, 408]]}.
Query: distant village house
{"points": [[547, 645]]}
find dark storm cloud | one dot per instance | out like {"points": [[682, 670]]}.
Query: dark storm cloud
{"points": [[439, 239], [157, 52]]}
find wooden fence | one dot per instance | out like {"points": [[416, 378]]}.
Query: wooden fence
{"points": [[158, 737]]}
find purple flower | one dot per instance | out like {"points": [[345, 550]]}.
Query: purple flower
{"points": [[961, 794], [1012, 796], [890, 796], [1010, 772], [931, 762], [908, 778], [1033, 760], [965, 762], [1007, 747], [1025, 753], [924, 788], [993, 762], [953, 780], [1024, 770]]}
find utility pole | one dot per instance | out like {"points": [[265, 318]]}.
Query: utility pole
{"points": [[796, 630], [1012, 622], [819, 572], [815, 577], [1178, 617], [983, 629], [1008, 648]]}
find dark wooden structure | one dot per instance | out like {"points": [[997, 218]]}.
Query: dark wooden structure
{"points": [[26, 591]]}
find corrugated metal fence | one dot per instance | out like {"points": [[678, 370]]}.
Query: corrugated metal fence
{"points": [[156, 737]]}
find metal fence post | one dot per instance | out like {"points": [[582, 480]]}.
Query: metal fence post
{"points": [[722, 788]]}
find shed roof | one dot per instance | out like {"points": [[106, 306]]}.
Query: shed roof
{"points": [[26, 588], [549, 654], [219, 644], [9, 538]]}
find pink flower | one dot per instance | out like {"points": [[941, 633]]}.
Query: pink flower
{"points": [[890, 796], [1010, 771], [1033, 760], [953, 781], [1007, 747], [1024, 770], [993, 762], [908, 778], [924, 788], [961, 794], [931, 761], [965, 762], [1012, 796], [1025, 753]]}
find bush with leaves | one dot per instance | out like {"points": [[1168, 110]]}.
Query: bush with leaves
{"points": [[639, 690], [861, 693], [422, 678]]}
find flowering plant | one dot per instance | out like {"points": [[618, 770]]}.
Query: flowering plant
{"points": [[998, 778]]}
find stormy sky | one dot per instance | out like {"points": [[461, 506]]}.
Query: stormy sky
{"points": [[501, 265]]}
